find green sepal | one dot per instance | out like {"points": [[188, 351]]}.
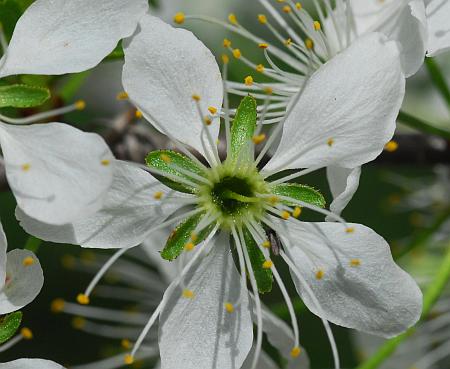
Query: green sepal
{"points": [[264, 277], [299, 192], [154, 160], [243, 129], [9, 324], [23, 96], [182, 235]]}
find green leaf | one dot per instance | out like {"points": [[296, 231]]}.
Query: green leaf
{"points": [[299, 192], [10, 13], [9, 324], [23, 96], [155, 160], [182, 235], [243, 129], [264, 277]]}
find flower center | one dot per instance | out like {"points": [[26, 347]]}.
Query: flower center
{"points": [[232, 196]]}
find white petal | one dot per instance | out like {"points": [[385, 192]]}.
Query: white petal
{"points": [[164, 68], [264, 362], [199, 333], [129, 212], [68, 36], [376, 297], [343, 185], [23, 282], [3, 248], [411, 33], [438, 14], [30, 364], [347, 111], [56, 172]]}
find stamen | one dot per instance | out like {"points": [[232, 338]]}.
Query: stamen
{"points": [[28, 261], [79, 105], [179, 18], [391, 146], [229, 307]]}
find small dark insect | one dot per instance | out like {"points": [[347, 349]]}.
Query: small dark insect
{"points": [[274, 239]]}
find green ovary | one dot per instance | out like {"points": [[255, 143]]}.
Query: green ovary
{"points": [[232, 197]]}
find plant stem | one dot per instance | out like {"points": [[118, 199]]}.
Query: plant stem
{"points": [[33, 244], [422, 125], [438, 79], [431, 296], [422, 237]]}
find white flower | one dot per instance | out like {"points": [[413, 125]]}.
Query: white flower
{"points": [[133, 282], [68, 36], [30, 364], [21, 277], [344, 272]]}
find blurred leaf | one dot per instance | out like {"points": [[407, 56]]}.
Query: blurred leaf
{"points": [[23, 96], [35, 80], [9, 325], [10, 12], [153, 4]]}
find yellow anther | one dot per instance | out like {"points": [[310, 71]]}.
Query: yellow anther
{"points": [[78, 322], [80, 105], [355, 262], [268, 90], [287, 9], [285, 215], [212, 110], [57, 306], [391, 146], [266, 244], [128, 360], [263, 46], [274, 200], [26, 167], [68, 261], [165, 158], [196, 97], [260, 68], [83, 299], [105, 162], [297, 211], [138, 114], [288, 42], [158, 195], [226, 43], [189, 246], [296, 351], [232, 19], [188, 294], [350, 230], [237, 53], [298, 6], [262, 19], [208, 121], [319, 274], [259, 138], [28, 261], [309, 44], [122, 96], [317, 26], [126, 344], [26, 333], [225, 59], [280, 1], [267, 264], [179, 18], [229, 307], [330, 142], [194, 236], [248, 81]]}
